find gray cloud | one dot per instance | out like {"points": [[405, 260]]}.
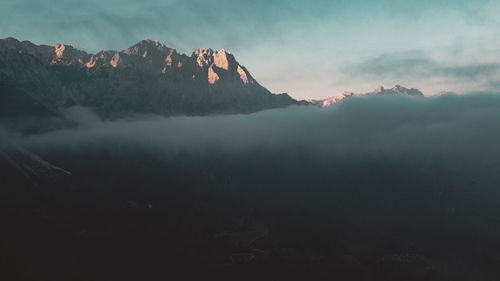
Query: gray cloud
{"points": [[186, 24], [460, 132], [416, 65]]}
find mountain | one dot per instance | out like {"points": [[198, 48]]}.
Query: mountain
{"points": [[396, 90], [327, 102], [147, 78]]}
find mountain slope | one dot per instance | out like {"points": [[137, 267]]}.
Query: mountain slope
{"points": [[20, 166], [147, 78]]}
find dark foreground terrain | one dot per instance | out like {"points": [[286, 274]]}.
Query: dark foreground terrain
{"points": [[135, 217], [415, 206]]}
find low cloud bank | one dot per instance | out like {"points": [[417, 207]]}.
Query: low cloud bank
{"points": [[456, 133], [417, 68], [447, 128]]}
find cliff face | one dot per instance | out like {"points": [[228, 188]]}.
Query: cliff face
{"points": [[147, 78]]}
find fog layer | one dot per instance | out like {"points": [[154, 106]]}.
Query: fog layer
{"points": [[453, 130]]}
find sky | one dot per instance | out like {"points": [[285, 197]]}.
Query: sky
{"points": [[308, 49]]}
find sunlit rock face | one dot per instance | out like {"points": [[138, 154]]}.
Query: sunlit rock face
{"points": [[212, 75], [221, 63], [68, 55], [148, 77], [396, 90]]}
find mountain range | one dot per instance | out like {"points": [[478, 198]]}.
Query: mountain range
{"points": [[148, 78], [396, 90]]}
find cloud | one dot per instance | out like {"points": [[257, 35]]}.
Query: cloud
{"points": [[416, 65], [81, 115], [188, 24], [458, 131]]}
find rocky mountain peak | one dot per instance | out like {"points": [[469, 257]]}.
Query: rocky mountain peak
{"points": [[397, 89], [379, 89], [59, 50], [220, 64], [221, 59], [148, 48], [330, 101], [66, 54], [10, 43], [9, 39]]}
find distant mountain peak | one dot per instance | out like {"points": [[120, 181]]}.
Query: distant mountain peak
{"points": [[148, 43], [10, 43], [396, 90], [336, 99], [148, 48], [221, 59], [6, 39], [67, 55], [379, 89]]}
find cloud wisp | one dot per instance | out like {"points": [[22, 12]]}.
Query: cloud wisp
{"points": [[415, 65]]}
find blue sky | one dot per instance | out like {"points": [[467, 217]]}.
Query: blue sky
{"points": [[309, 49]]}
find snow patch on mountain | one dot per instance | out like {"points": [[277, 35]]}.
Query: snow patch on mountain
{"points": [[396, 90]]}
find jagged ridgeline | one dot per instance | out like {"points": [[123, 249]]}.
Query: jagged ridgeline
{"points": [[337, 99], [147, 78]]}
